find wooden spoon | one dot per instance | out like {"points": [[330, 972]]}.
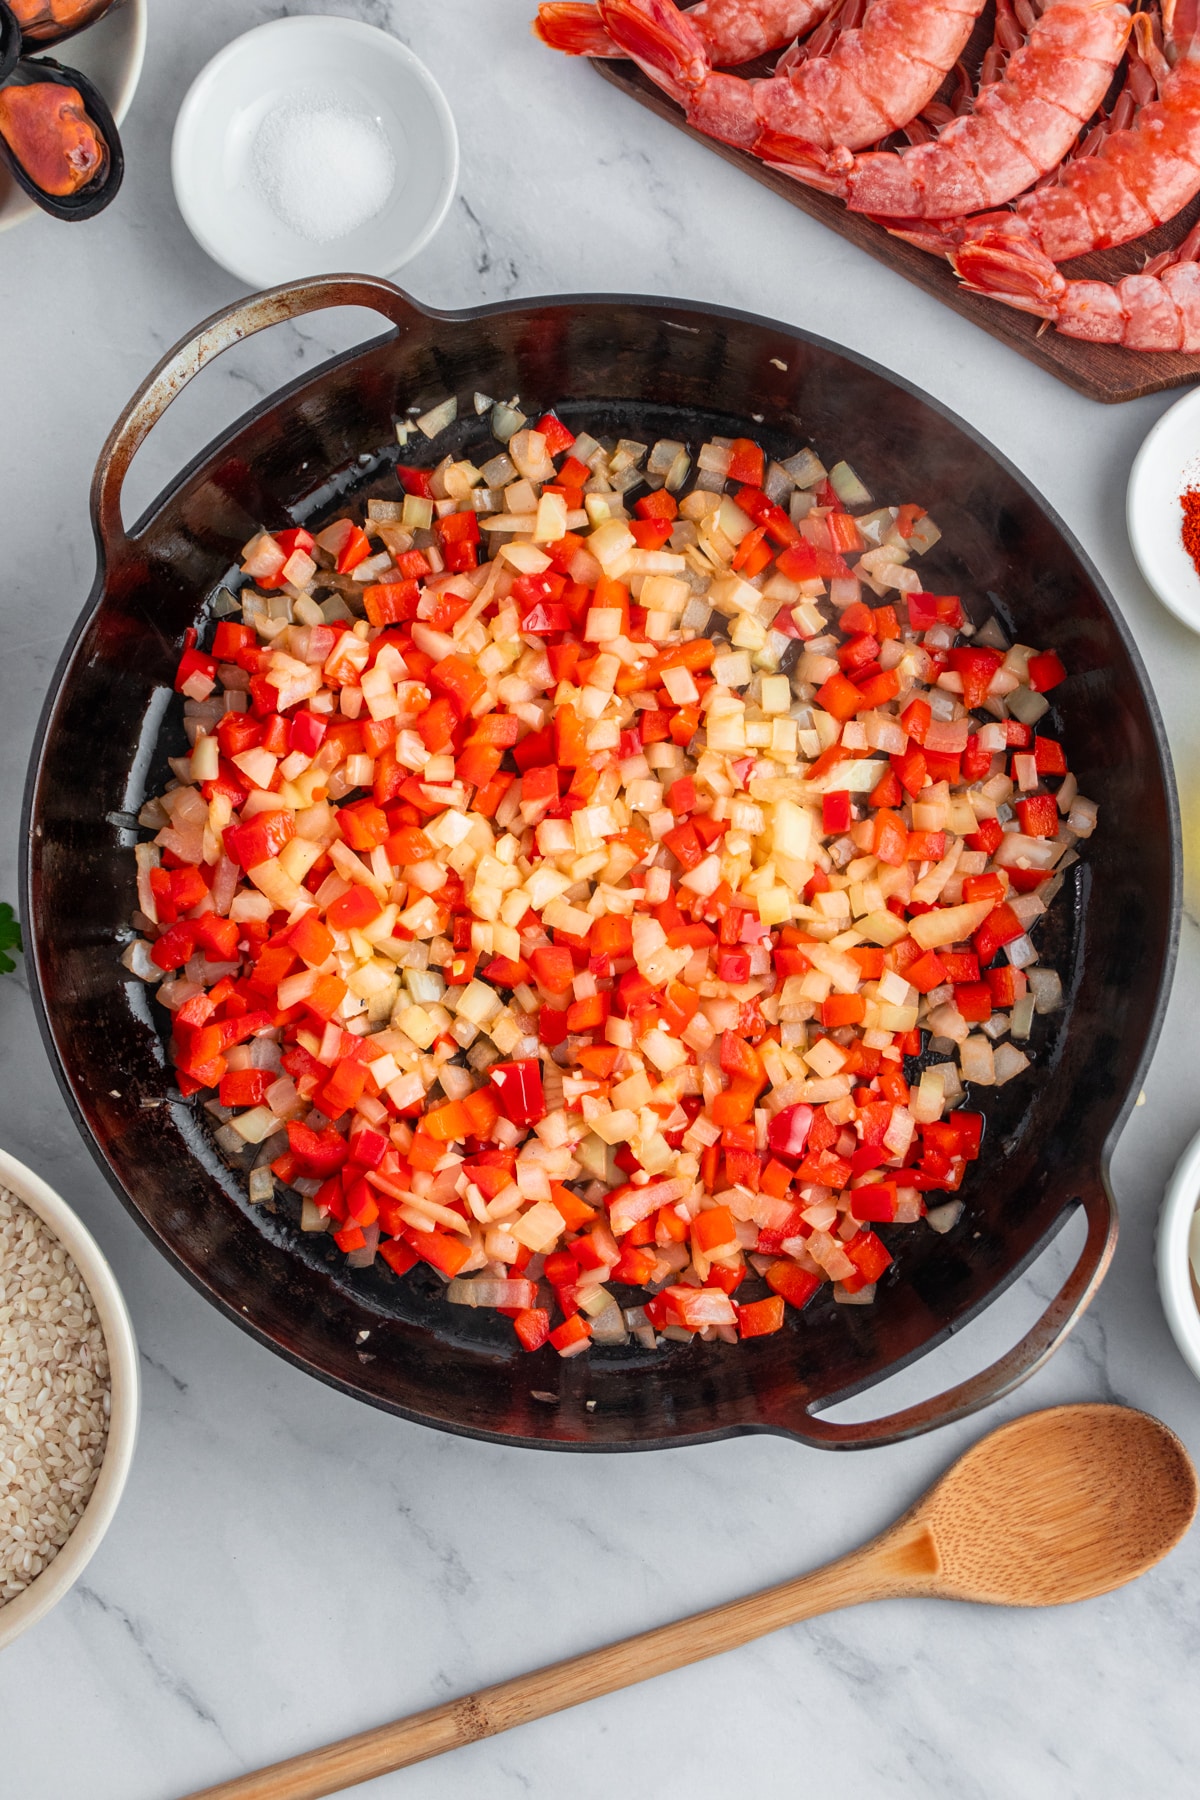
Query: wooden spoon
{"points": [[1060, 1505]]}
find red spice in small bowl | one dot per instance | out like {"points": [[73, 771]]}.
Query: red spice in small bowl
{"points": [[1190, 502]]}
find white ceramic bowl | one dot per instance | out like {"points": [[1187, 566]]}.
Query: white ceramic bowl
{"points": [[1174, 1261], [110, 53], [49, 1587], [1167, 464], [343, 62]]}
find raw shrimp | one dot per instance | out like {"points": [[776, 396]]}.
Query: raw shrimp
{"points": [[1141, 168], [1021, 125], [1156, 310], [734, 31], [873, 79]]}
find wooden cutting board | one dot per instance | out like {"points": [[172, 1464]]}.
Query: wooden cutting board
{"points": [[1101, 371]]}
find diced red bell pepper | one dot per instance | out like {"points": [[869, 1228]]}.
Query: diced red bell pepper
{"points": [[175, 946], [363, 825], [911, 769], [835, 812], [415, 481], [237, 732], [886, 792], [399, 1255], [311, 940], [925, 846], [999, 928], [746, 463], [927, 973], [977, 665], [733, 966], [984, 887], [869, 1254], [478, 764], [519, 1089], [319, 1153], [891, 839], [791, 1282], [986, 836], [557, 437], [857, 652], [916, 719], [354, 909], [1046, 671], [840, 698], [571, 1336], [259, 839], [975, 762], [878, 690], [460, 681], [760, 1317], [229, 639], [925, 610], [1038, 815], [788, 1131], [974, 1001], [195, 668], [245, 1087], [355, 549], [554, 968], [438, 1247], [532, 1326], [1006, 983], [306, 732], [1049, 757], [874, 1203], [391, 602], [458, 534], [217, 937]]}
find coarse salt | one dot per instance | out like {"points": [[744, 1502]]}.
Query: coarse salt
{"points": [[324, 168]]}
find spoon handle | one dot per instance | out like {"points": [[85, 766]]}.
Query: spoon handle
{"points": [[902, 1561]]}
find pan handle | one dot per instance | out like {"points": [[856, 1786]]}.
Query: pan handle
{"points": [[189, 356], [1014, 1367]]}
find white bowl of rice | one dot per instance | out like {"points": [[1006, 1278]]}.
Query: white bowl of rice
{"points": [[68, 1397]]}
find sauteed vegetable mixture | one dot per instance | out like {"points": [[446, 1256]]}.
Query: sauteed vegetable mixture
{"points": [[575, 854]]}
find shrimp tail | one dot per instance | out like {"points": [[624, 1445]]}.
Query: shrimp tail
{"points": [[574, 27], [659, 38], [1012, 270], [942, 237], [804, 161]]}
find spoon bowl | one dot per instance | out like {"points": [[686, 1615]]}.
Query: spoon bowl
{"points": [[1060, 1505]]}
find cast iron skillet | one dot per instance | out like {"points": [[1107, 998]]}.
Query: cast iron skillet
{"points": [[641, 367]]}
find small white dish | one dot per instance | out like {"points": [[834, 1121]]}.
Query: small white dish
{"points": [[293, 61], [1175, 1282], [1167, 464], [110, 53], [48, 1588]]}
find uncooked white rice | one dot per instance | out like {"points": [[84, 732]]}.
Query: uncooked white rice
{"points": [[54, 1396]]}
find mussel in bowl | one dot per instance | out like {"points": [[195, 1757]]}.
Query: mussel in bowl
{"points": [[59, 139], [47, 22]]}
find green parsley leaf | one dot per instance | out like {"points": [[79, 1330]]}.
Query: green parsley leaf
{"points": [[10, 937]]}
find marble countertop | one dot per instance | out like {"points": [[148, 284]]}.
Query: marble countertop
{"points": [[289, 1566]]}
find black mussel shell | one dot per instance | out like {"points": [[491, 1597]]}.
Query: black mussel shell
{"points": [[102, 189], [44, 32], [10, 40]]}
